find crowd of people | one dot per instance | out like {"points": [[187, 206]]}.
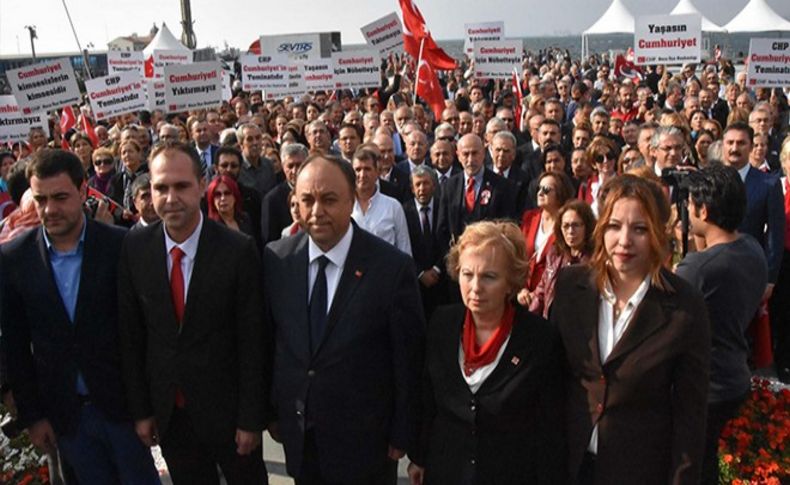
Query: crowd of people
{"points": [[549, 288]]}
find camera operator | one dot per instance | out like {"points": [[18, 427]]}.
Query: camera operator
{"points": [[731, 273]]}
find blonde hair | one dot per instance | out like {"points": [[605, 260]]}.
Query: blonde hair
{"points": [[502, 235]]}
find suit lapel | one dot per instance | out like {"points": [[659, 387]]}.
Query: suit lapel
{"points": [[159, 279], [88, 271], [450, 348], [298, 301], [200, 269], [586, 303], [49, 276], [513, 358]]}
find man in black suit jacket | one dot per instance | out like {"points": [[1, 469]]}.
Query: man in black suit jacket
{"points": [[422, 219], [275, 213], [503, 148], [192, 335], [397, 181], [201, 138], [60, 331], [490, 196], [345, 309]]}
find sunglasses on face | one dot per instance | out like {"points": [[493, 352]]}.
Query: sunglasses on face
{"points": [[599, 158], [104, 161], [545, 190]]}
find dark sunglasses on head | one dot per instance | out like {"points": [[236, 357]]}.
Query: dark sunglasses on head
{"points": [[104, 161], [599, 158]]}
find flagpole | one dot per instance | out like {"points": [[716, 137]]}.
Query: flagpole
{"points": [[417, 72]]}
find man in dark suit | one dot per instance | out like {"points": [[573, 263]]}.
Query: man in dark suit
{"points": [[141, 191], [201, 138], [275, 213], [416, 151], [422, 219], [60, 331], [765, 218], [192, 335], [476, 194], [503, 149], [443, 161], [397, 179], [345, 309]]}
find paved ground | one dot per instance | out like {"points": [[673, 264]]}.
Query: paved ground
{"points": [[275, 462]]}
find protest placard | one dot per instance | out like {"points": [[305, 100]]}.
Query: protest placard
{"points": [[260, 72], [15, 125], [482, 32], [319, 75], [193, 86], [45, 86], [170, 57], [297, 47], [667, 39], [119, 61], [357, 69], [155, 93], [116, 94], [384, 34], [497, 59], [769, 63], [227, 92], [294, 86]]}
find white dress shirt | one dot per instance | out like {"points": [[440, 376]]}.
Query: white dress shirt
{"points": [[337, 261], [190, 248], [610, 331], [744, 171], [479, 376], [384, 219]]}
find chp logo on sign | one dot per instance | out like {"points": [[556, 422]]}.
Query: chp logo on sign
{"points": [[43, 87], [170, 57], [482, 32], [357, 69], [769, 63], [116, 94], [15, 125], [384, 34], [119, 62], [193, 86], [668, 39], [497, 59], [260, 72]]}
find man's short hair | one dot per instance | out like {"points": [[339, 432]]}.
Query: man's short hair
{"points": [[495, 122], [443, 126], [367, 154], [507, 136], [345, 126], [720, 189], [228, 150], [655, 140], [599, 111], [291, 149], [186, 149], [141, 183], [52, 162], [739, 126], [550, 121], [424, 171], [345, 168], [17, 182]]}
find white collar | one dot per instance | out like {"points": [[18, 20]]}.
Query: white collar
{"points": [[190, 244], [419, 206], [639, 294], [338, 254], [744, 171]]}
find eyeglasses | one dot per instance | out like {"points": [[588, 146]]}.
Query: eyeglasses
{"points": [[670, 148], [104, 161], [572, 225], [599, 158], [630, 160], [545, 190]]}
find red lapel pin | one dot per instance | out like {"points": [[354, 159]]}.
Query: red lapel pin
{"points": [[515, 360], [358, 273]]}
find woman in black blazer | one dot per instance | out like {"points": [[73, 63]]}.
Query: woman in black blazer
{"points": [[492, 388]]}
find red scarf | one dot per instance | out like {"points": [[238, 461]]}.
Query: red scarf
{"points": [[476, 356]]}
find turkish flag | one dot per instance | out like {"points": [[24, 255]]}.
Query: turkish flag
{"points": [[68, 119], [87, 127], [516, 87], [429, 89], [626, 68], [415, 32], [149, 66]]}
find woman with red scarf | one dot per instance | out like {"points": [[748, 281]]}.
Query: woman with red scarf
{"points": [[492, 408]]}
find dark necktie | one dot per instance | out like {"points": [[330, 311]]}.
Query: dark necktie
{"points": [[177, 294], [318, 303], [426, 224]]}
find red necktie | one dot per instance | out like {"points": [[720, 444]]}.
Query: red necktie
{"points": [[470, 195], [177, 294]]}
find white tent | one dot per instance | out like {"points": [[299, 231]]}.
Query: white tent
{"points": [[757, 16], [164, 40], [616, 20], [686, 7]]}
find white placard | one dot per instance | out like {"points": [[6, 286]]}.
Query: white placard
{"points": [[14, 125], [357, 69], [769, 63], [319, 75], [667, 39], [193, 86], [227, 92], [45, 86], [119, 61], [155, 93], [482, 32], [295, 46], [116, 94], [264, 72], [497, 59], [294, 86], [384, 34], [170, 57]]}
